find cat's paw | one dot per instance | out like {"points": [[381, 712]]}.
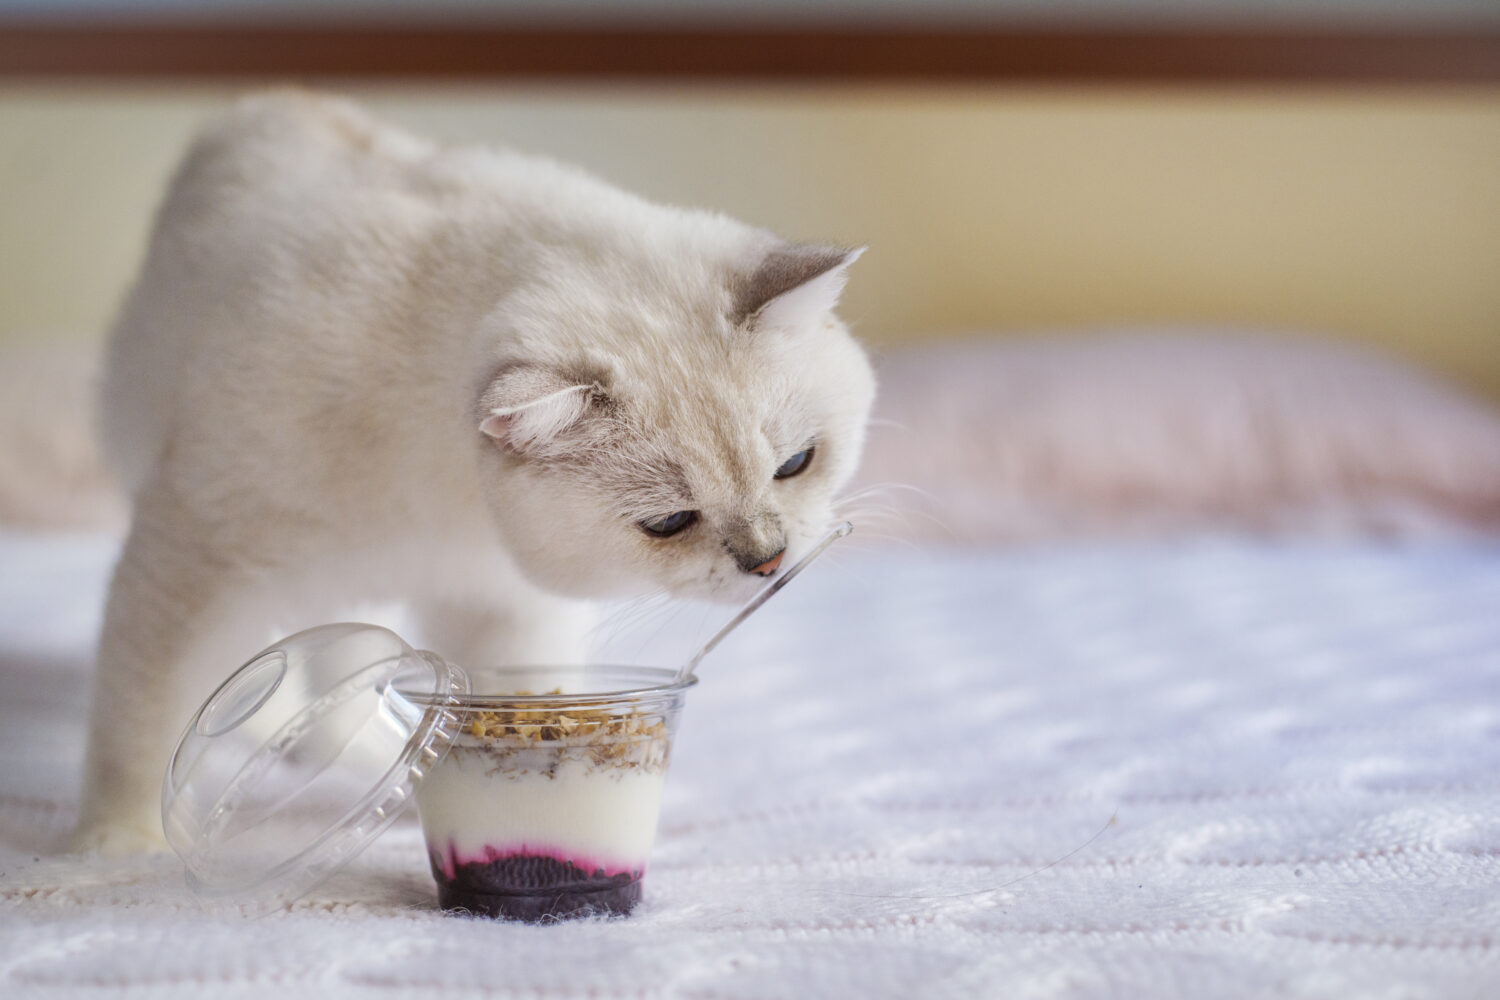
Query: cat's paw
{"points": [[113, 839]]}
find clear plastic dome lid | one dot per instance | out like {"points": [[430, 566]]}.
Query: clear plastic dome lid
{"points": [[303, 756]]}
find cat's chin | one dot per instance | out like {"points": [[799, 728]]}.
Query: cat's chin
{"points": [[731, 591]]}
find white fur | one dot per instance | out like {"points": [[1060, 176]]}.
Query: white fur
{"points": [[360, 367]]}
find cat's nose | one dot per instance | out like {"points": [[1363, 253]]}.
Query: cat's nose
{"points": [[755, 543], [769, 566]]}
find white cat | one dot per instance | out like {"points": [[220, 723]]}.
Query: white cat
{"points": [[359, 366]]}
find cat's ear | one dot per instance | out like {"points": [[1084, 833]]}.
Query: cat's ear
{"points": [[526, 408], [793, 286]]}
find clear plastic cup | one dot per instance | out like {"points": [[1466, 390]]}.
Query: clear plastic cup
{"points": [[534, 805], [546, 805]]}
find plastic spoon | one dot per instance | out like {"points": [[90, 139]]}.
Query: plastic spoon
{"points": [[761, 597]]}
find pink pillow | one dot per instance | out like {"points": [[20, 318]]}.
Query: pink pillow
{"points": [[1133, 434]]}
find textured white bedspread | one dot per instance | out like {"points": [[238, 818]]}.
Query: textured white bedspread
{"points": [[1213, 768]]}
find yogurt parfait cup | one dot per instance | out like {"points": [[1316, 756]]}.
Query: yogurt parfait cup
{"points": [[546, 804], [538, 789]]}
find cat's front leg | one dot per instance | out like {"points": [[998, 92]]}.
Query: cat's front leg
{"points": [[167, 624]]}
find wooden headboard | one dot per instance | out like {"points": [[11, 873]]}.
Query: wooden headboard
{"points": [[983, 52]]}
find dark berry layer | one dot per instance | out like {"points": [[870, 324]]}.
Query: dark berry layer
{"points": [[532, 887]]}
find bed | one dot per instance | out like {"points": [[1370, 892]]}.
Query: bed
{"points": [[1202, 766]]}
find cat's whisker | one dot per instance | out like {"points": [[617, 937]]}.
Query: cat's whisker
{"points": [[628, 616], [884, 489], [875, 515], [875, 537], [667, 618], [647, 612], [863, 508], [881, 487], [888, 422]]}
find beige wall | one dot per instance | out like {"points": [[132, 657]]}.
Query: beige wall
{"points": [[1372, 215]]}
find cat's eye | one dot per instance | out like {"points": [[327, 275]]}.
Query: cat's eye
{"points": [[798, 463], [665, 527]]}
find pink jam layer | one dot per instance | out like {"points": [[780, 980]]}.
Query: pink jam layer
{"points": [[450, 859]]}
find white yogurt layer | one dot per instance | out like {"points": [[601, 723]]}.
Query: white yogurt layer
{"points": [[595, 816]]}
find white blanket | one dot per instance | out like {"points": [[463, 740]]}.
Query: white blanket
{"points": [[1209, 768]]}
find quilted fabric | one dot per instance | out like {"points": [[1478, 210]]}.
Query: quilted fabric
{"points": [[1207, 768]]}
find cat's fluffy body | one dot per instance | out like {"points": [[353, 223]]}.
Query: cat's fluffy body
{"points": [[359, 366]]}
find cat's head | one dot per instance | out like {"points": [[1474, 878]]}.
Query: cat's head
{"points": [[681, 430]]}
